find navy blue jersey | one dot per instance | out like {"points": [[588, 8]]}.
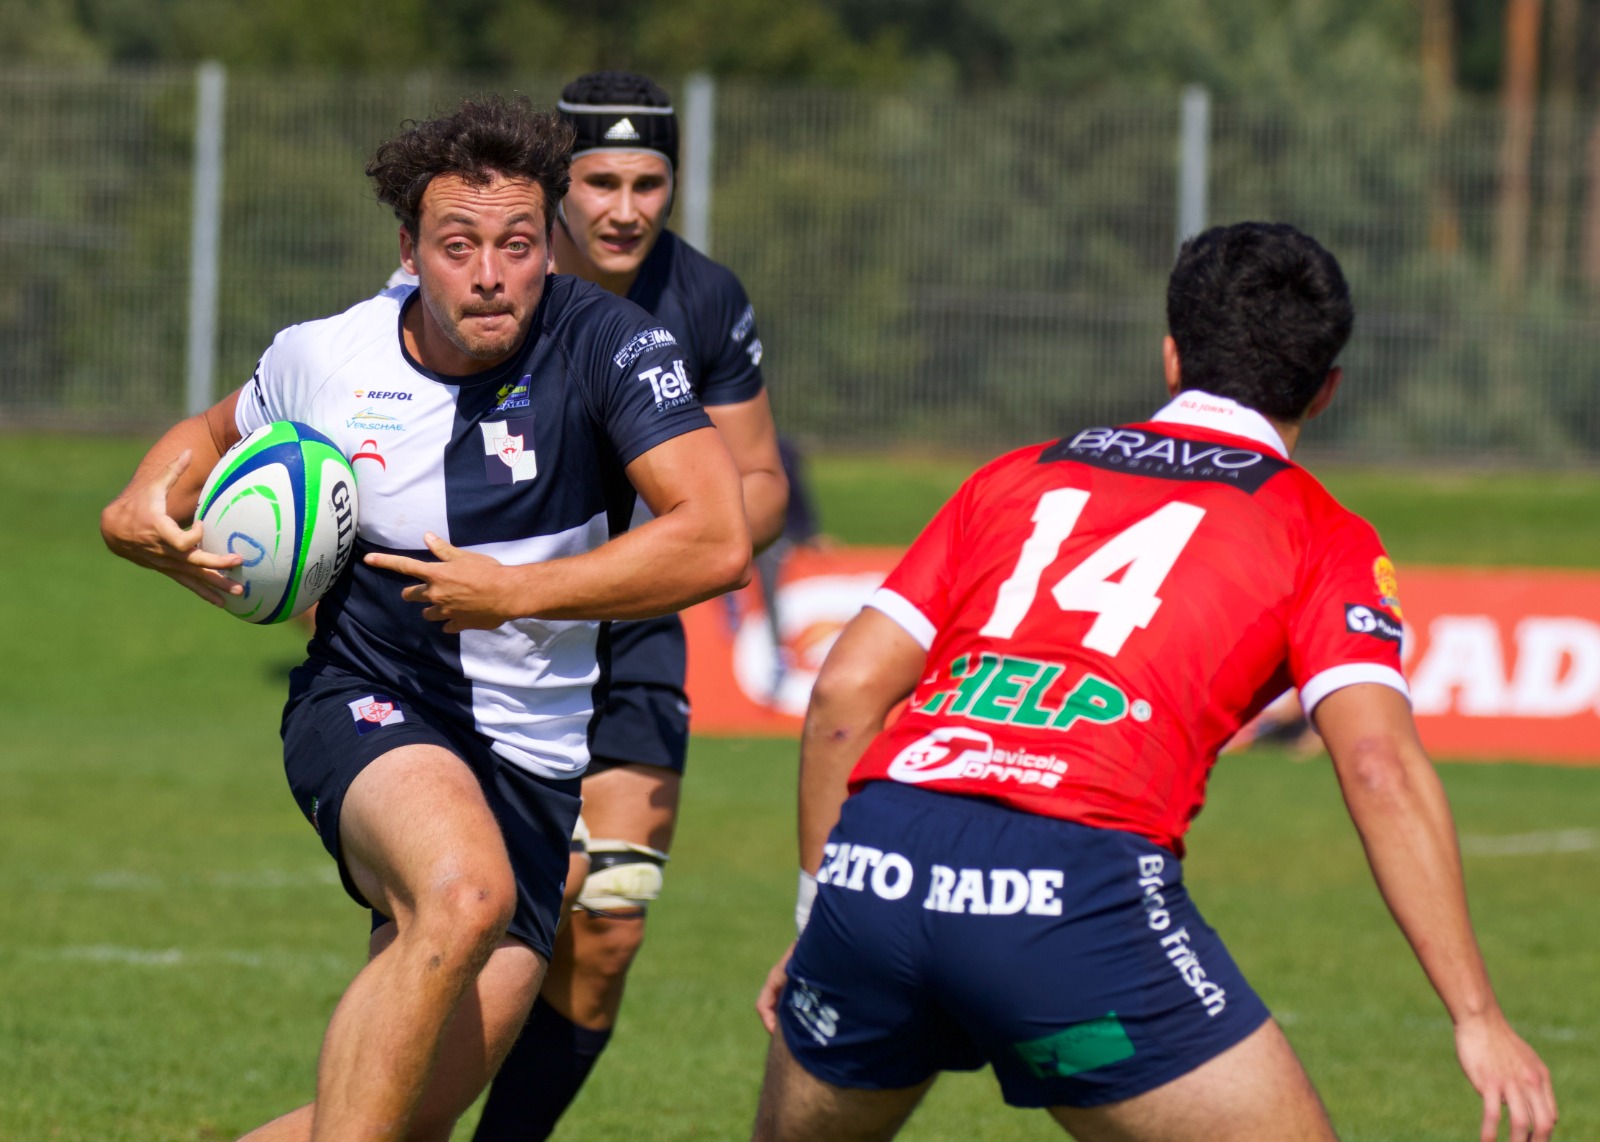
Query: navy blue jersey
{"points": [[707, 310], [523, 462]]}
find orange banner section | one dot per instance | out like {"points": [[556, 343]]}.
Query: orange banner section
{"points": [[1503, 664]]}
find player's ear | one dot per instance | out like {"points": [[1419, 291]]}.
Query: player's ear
{"points": [[1324, 397], [408, 250], [1174, 368]]}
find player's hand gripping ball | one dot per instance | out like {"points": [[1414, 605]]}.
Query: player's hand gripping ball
{"points": [[284, 500]]}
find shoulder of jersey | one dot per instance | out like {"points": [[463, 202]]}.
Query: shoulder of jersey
{"points": [[329, 341], [697, 272], [573, 298]]}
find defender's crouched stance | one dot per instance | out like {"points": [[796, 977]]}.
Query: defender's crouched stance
{"points": [[1003, 884]]}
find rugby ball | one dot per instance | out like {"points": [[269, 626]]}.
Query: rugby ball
{"points": [[284, 498]]}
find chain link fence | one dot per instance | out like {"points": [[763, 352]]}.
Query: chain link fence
{"points": [[929, 271]]}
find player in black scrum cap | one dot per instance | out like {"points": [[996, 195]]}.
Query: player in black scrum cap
{"points": [[612, 231]]}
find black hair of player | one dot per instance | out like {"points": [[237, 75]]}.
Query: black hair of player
{"points": [[615, 88], [1260, 312], [483, 138]]}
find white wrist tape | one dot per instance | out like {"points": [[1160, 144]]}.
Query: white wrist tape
{"points": [[802, 903]]}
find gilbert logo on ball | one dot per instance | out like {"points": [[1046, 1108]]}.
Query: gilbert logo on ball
{"points": [[283, 498]]}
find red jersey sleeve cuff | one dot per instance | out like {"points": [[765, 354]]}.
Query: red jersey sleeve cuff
{"points": [[905, 613], [1351, 673]]}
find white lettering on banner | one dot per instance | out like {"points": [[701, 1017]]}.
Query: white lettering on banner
{"points": [[1463, 671], [1463, 654], [1558, 667]]}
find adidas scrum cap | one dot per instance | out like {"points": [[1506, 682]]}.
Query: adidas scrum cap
{"points": [[617, 110]]}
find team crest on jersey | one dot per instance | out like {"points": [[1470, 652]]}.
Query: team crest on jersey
{"points": [[1388, 585], [508, 456], [374, 712]]}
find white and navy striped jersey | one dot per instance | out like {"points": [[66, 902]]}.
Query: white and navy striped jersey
{"points": [[523, 462]]}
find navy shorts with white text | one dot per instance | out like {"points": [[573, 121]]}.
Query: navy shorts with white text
{"points": [[952, 932]]}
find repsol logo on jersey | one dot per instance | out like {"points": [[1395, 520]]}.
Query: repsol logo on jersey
{"points": [[382, 394], [1141, 452]]}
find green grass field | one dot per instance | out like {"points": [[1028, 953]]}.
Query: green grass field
{"points": [[172, 937]]}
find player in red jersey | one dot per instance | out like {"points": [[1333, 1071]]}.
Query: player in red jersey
{"points": [[1079, 631]]}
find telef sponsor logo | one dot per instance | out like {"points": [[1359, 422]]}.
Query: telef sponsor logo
{"points": [[374, 712], [670, 386], [944, 754]]}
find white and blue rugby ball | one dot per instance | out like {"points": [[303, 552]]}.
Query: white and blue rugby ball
{"points": [[284, 498]]}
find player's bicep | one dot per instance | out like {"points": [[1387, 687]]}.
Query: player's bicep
{"points": [[751, 436], [875, 662], [690, 471]]}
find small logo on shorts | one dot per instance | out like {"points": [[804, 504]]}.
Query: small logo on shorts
{"points": [[373, 712], [819, 1020]]}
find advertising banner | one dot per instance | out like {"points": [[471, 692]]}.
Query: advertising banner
{"points": [[1503, 664]]}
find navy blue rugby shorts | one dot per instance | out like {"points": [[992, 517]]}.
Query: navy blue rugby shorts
{"points": [[337, 723], [645, 718], [952, 932]]}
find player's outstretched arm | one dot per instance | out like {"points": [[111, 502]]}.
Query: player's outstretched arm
{"points": [[146, 523], [873, 666], [1400, 809], [698, 546], [752, 441]]}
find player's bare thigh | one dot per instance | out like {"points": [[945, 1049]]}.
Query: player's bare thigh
{"points": [[1256, 1091], [634, 803], [796, 1106]]}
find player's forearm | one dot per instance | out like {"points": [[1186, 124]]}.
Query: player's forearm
{"points": [[686, 556], [873, 665], [766, 499], [192, 434], [1401, 812]]}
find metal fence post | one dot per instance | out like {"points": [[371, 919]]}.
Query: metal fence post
{"points": [[700, 103], [1194, 157], [204, 235]]}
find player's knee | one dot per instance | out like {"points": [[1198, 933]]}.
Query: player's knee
{"points": [[470, 912]]}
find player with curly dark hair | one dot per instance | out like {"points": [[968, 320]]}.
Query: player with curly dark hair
{"points": [[502, 422]]}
